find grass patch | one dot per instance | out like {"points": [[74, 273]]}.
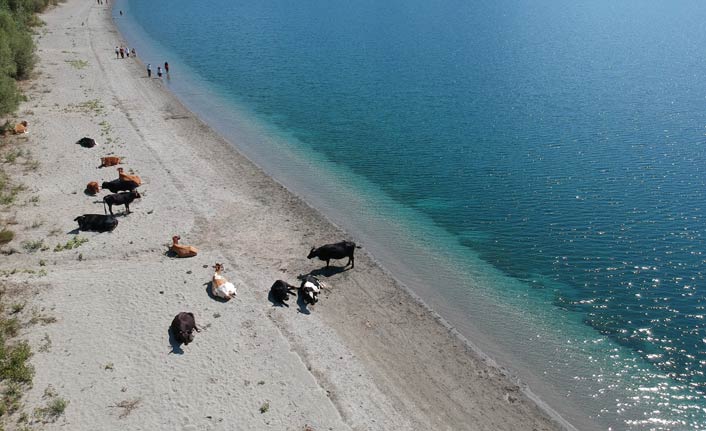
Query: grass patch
{"points": [[12, 156], [77, 64], [31, 165], [128, 406], [74, 242], [14, 365], [6, 236], [33, 246], [56, 406], [46, 345], [265, 407], [43, 319], [90, 106]]}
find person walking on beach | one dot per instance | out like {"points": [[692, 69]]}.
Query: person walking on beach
{"points": [[122, 52], [127, 52], [159, 71], [149, 71], [166, 68], [117, 52], [134, 53]]}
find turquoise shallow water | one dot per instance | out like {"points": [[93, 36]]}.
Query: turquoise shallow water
{"points": [[533, 169]]}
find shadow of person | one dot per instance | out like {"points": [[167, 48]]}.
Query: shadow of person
{"points": [[176, 345], [209, 292]]}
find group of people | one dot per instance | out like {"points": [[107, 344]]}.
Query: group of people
{"points": [[159, 70], [122, 51]]}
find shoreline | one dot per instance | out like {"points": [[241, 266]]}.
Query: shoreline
{"points": [[225, 216]]}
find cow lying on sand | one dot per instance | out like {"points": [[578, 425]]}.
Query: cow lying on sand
{"points": [[182, 250], [21, 127], [310, 288], [88, 143], [338, 250], [127, 177], [281, 290], [109, 161], [118, 185], [183, 327], [97, 222], [123, 198], [220, 286], [92, 188]]}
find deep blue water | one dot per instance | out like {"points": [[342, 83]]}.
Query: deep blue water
{"points": [[558, 146]]}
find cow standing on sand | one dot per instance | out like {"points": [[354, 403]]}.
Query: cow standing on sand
{"points": [[338, 250], [123, 198]]}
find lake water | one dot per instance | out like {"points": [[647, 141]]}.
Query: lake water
{"points": [[534, 170]]}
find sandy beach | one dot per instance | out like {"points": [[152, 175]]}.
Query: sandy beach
{"points": [[368, 356]]}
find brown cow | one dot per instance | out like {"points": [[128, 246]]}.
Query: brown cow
{"points": [[127, 177], [109, 161], [92, 188], [182, 250], [21, 127]]}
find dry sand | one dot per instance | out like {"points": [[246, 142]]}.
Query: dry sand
{"points": [[368, 356]]}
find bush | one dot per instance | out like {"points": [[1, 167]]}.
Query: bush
{"points": [[6, 236], [10, 96], [17, 49]]}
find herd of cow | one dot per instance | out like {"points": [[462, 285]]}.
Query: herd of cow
{"points": [[124, 191], [184, 323]]}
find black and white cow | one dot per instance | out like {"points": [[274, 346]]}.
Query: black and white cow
{"points": [[310, 289]]}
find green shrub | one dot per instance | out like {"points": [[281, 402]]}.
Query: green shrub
{"points": [[6, 236], [9, 95]]}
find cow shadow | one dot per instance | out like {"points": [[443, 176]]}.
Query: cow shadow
{"points": [[302, 304], [209, 292], [74, 231], [326, 271], [176, 345]]}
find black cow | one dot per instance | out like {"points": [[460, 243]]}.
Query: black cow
{"points": [[119, 185], [97, 222], [338, 250], [281, 290], [310, 288], [87, 142], [183, 327], [120, 199]]}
